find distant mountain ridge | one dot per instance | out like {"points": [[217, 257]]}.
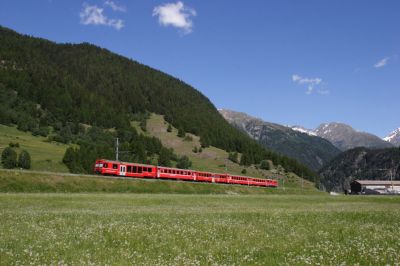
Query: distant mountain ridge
{"points": [[394, 137], [311, 150], [360, 163], [344, 137]]}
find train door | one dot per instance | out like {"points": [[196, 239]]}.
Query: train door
{"points": [[122, 170]]}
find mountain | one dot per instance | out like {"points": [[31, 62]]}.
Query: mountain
{"points": [[393, 137], [62, 89], [345, 137], [310, 150], [304, 130], [360, 163]]}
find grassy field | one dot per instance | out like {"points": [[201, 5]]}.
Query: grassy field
{"points": [[150, 229], [46, 156]]}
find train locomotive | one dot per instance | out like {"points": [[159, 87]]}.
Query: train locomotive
{"points": [[135, 170]]}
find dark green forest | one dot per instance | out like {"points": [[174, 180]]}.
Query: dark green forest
{"points": [[56, 90], [360, 163]]}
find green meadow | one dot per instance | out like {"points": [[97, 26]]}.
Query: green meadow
{"points": [[46, 156], [171, 229]]}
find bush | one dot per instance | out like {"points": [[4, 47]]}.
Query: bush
{"points": [[181, 132], [188, 138], [244, 171], [184, 162], [164, 159], [195, 150], [233, 156], [13, 145], [24, 160], [9, 158], [169, 129], [265, 165]]}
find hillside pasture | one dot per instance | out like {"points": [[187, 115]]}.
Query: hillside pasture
{"points": [[46, 156]]}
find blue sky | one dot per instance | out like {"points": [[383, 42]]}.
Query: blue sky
{"points": [[291, 62]]}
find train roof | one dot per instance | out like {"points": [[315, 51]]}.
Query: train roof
{"points": [[113, 161]]}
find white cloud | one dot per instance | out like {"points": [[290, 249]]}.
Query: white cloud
{"points": [[176, 15], [300, 80], [381, 63], [93, 15], [313, 84], [115, 6]]}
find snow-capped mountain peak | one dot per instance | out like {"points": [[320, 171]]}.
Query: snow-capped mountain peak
{"points": [[303, 130], [394, 137]]}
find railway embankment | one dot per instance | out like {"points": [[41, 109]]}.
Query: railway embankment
{"points": [[51, 182]]}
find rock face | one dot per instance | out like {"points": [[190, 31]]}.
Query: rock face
{"points": [[310, 150], [394, 137], [345, 137], [360, 163]]}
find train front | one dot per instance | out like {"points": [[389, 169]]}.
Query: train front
{"points": [[98, 166]]}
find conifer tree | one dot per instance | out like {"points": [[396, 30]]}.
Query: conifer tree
{"points": [[24, 160], [9, 158]]}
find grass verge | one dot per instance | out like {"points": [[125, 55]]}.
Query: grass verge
{"points": [[27, 181]]}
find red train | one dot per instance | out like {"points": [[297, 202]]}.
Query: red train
{"points": [[108, 167]]}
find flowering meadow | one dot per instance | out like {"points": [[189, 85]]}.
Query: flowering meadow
{"points": [[165, 229]]}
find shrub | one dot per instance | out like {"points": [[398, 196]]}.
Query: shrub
{"points": [[181, 132], [169, 129], [244, 171], [9, 158], [24, 160], [233, 156], [13, 145], [188, 138], [184, 162], [265, 165]]}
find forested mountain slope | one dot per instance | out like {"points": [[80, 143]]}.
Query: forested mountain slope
{"points": [[360, 163], [44, 85]]}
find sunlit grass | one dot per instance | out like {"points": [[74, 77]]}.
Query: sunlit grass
{"points": [[45, 156], [150, 229]]}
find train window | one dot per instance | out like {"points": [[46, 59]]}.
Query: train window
{"points": [[115, 166], [129, 170], [140, 169], [144, 169], [105, 165], [134, 169]]}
